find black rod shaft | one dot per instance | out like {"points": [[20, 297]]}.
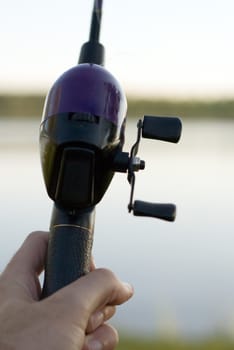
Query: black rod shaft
{"points": [[92, 51], [96, 21]]}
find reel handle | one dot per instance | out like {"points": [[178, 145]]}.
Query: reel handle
{"points": [[69, 249], [162, 128], [164, 211]]}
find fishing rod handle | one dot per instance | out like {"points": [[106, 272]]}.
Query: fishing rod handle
{"points": [[69, 248]]}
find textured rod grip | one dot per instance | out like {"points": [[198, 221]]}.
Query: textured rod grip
{"points": [[69, 251]]}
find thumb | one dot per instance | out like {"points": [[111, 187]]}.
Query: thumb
{"points": [[21, 274], [89, 294]]}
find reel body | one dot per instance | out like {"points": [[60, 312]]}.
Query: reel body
{"points": [[82, 127]]}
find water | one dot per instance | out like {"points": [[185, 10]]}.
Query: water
{"points": [[183, 271]]}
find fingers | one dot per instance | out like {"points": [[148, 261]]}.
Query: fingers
{"points": [[89, 294], [22, 271], [31, 255], [99, 317], [104, 338], [92, 264]]}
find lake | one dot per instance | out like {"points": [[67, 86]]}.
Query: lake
{"points": [[182, 272]]}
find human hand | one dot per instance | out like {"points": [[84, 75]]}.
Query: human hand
{"points": [[71, 319]]}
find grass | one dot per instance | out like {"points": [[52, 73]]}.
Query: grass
{"points": [[209, 344], [32, 105]]}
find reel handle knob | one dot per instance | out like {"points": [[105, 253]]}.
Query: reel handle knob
{"points": [[162, 128], [165, 211]]}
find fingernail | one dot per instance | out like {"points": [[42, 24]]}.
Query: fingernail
{"points": [[95, 345], [96, 320], [99, 318], [129, 287]]}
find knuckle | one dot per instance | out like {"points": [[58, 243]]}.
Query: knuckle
{"points": [[36, 235], [108, 274]]}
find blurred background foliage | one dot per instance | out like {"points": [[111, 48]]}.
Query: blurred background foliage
{"points": [[22, 105], [206, 344]]}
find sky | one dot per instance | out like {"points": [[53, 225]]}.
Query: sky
{"points": [[169, 48]]}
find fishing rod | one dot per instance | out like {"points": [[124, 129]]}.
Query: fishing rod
{"points": [[81, 146]]}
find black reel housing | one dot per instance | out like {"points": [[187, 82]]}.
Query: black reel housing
{"points": [[77, 156], [82, 127]]}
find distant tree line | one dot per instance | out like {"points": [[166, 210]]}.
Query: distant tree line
{"points": [[32, 106]]}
